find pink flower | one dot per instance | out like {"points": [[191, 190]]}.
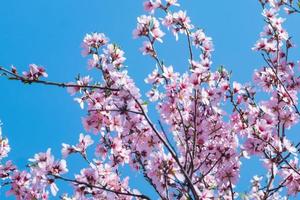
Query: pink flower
{"points": [[114, 55], [148, 26], [169, 73], [168, 20], [207, 121], [265, 45], [142, 26], [83, 81], [198, 37], [147, 49], [236, 87], [157, 34], [59, 167], [67, 150], [54, 189], [35, 72], [4, 146], [43, 160], [270, 13], [73, 90], [94, 62], [150, 6], [172, 2], [181, 18], [153, 95], [101, 151], [84, 142], [154, 77], [94, 40]]}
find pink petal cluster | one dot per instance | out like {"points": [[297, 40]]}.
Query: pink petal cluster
{"points": [[35, 72], [207, 124]]}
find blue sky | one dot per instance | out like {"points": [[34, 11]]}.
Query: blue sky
{"points": [[49, 33]]}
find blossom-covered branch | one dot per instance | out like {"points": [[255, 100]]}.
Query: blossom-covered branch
{"points": [[196, 149]]}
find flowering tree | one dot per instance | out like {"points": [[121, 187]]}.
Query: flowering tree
{"points": [[198, 155]]}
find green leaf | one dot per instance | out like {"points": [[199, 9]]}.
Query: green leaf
{"points": [[116, 46], [243, 196], [220, 69], [145, 103]]}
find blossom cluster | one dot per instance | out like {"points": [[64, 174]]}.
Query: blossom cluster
{"points": [[35, 183], [35, 72], [208, 124]]}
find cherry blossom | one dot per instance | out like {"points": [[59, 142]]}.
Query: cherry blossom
{"points": [[207, 124]]}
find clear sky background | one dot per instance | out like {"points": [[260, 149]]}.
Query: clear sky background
{"points": [[49, 33]]}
